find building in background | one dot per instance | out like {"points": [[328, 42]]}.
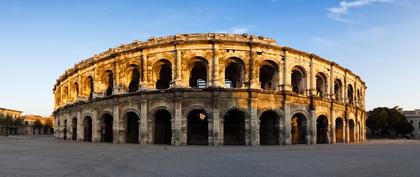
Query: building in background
{"points": [[9, 120], [37, 125], [10, 112], [413, 116]]}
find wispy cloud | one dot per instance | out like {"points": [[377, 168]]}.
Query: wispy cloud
{"points": [[237, 29], [344, 7]]}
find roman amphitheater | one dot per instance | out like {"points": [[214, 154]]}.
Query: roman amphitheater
{"points": [[209, 89]]}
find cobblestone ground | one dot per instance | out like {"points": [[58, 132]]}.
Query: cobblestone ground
{"points": [[46, 156]]}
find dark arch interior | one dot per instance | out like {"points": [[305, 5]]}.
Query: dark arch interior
{"points": [[321, 86], [74, 129], [351, 130], [234, 128], [350, 94], [297, 81], [110, 83], [165, 76], [132, 128], [198, 78], [107, 128], [76, 89], [269, 128], [339, 130], [87, 129], [91, 87], [197, 131], [135, 79], [322, 130], [299, 129], [267, 77], [337, 89], [65, 129], [233, 75], [163, 129]]}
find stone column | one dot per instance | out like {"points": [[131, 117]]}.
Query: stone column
{"points": [[312, 83], [117, 126], [312, 127], [96, 127], [287, 125], [178, 135], [217, 136], [143, 122], [79, 126], [215, 71], [255, 126], [178, 69], [332, 128], [287, 83]]}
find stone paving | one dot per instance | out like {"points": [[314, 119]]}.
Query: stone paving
{"points": [[46, 156]]}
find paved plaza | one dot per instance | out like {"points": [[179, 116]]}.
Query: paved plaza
{"points": [[46, 156]]}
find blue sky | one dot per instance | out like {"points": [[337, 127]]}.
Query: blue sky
{"points": [[377, 39]]}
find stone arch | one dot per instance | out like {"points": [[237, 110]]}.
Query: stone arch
{"points": [[234, 127], [269, 128], [339, 124], [162, 74], [198, 72], [206, 110], [338, 90], [299, 124], [65, 129], [75, 90], [74, 128], [162, 127], [197, 127], [108, 80], [87, 128], [90, 86], [350, 94], [322, 129], [133, 75], [321, 85], [107, 131], [298, 79], [132, 125], [234, 72], [269, 75], [352, 132]]}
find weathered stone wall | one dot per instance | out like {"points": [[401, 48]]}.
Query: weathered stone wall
{"points": [[314, 94]]}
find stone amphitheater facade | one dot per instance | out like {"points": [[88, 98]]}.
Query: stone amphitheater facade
{"points": [[209, 89]]}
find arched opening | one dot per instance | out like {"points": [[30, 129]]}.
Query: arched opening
{"points": [[339, 130], [197, 132], [65, 129], [90, 86], [321, 85], [269, 75], [234, 74], [164, 74], [132, 127], [350, 94], [351, 130], [109, 82], [198, 76], [234, 128], [74, 129], [87, 129], [163, 128], [76, 90], [299, 129], [107, 128], [322, 130], [134, 79], [298, 80], [269, 128], [338, 87]]}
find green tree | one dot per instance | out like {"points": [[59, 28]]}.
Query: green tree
{"points": [[389, 122], [38, 124], [49, 123]]}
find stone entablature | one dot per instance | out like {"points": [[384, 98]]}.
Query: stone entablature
{"points": [[209, 72]]}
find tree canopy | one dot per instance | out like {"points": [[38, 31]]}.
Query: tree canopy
{"points": [[389, 122]]}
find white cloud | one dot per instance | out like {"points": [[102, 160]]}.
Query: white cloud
{"points": [[344, 7], [237, 29]]}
